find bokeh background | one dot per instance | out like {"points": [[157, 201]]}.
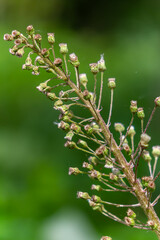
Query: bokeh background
{"points": [[37, 197]]}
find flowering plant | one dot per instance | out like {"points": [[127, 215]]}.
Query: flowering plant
{"points": [[114, 165]]}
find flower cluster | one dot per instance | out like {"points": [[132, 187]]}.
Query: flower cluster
{"points": [[114, 165]]}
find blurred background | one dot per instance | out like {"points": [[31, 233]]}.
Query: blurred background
{"points": [[37, 197]]}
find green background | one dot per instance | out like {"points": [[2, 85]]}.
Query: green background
{"points": [[37, 197]]}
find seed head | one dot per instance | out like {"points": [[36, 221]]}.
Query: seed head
{"points": [[119, 127], [51, 38], [94, 68], [156, 151], [111, 83], [145, 138], [83, 79], [140, 113], [63, 48], [101, 64]]}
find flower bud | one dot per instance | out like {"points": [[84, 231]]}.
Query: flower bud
{"points": [[35, 70], [133, 106], [96, 199], [57, 62], [140, 113], [93, 160], [152, 224], [70, 145], [113, 177], [74, 60], [63, 48], [38, 38], [157, 101], [129, 221], [69, 135], [63, 94], [95, 175], [146, 180], [16, 34], [115, 171], [111, 83], [75, 128], [63, 125], [74, 171], [40, 60], [96, 206], [130, 213], [51, 96], [88, 129], [58, 103], [20, 52], [83, 79], [86, 94], [96, 187], [87, 165], [51, 38], [101, 64], [8, 37], [156, 151], [45, 52], [101, 151], [82, 143], [119, 127], [151, 186], [145, 140], [18, 42], [131, 131], [94, 68], [83, 195], [30, 30], [106, 238], [108, 164], [146, 156]]}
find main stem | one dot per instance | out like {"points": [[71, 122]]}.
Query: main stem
{"points": [[126, 168]]}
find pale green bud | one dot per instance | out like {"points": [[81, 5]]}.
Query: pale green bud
{"points": [[83, 79], [140, 113], [111, 83], [51, 38], [131, 213], [133, 106], [119, 127], [94, 68], [101, 64], [63, 48], [82, 143], [145, 140], [129, 221], [146, 156], [83, 195], [156, 151]]}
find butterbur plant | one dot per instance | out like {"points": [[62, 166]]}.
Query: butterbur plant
{"points": [[112, 165]]}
